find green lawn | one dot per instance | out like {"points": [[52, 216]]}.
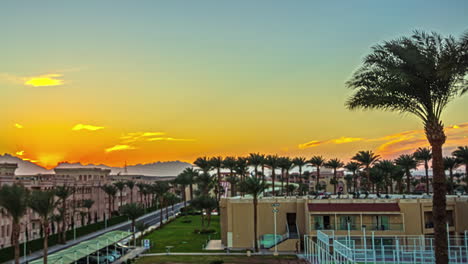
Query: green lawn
{"points": [[180, 235], [226, 259]]}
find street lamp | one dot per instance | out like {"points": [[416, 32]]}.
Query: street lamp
{"points": [[275, 211]]}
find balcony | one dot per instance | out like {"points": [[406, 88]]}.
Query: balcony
{"points": [[369, 227]]}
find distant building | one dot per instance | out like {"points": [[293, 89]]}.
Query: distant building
{"points": [[87, 183]]}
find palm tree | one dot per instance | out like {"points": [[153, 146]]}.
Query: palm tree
{"points": [[334, 164], [285, 163], [255, 160], [120, 185], [317, 161], [203, 163], [420, 75], [190, 174], [205, 203], [130, 184], [366, 159], [88, 204], [273, 162], [242, 168], [14, 200], [132, 211], [63, 192], [408, 163], [254, 186], [353, 167], [461, 153], [386, 167], [451, 163], [160, 188], [183, 180], [111, 191], [299, 162], [44, 204], [217, 163], [141, 186], [424, 155], [231, 164]]}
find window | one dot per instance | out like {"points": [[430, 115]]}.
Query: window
{"points": [[381, 222], [347, 221]]}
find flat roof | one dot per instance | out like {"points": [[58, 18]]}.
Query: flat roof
{"points": [[85, 248], [354, 207]]}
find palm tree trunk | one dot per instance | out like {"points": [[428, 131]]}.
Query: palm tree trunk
{"points": [[273, 176], [318, 178], [131, 195], [408, 181], [287, 183], [161, 215], [436, 137], [452, 185], [46, 241], [334, 181], [15, 226], [191, 191], [255, 222], [263, 172], [426, 167], [185, 195], [110, 206]]}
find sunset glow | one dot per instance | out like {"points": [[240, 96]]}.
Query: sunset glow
{"points": [[126, 83]]}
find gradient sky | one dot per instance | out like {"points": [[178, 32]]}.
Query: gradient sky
{"points": [[141, 81]]}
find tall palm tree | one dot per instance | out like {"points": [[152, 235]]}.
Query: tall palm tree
{"points": [[254, 186], [190, 174], [63, 192], [111, 191], [285, 163], [230, 163], [217, 163], [203, 163], [141, 186], [44, 204], [273, 162], [132, 211], [451, 163], [386, 167], [255, 160], [424, 155], [120, 185], [461, 153], [183, 180], [420, 75], [366, 159], [408, 163], [14, 200], [353, 167], [317, 162], [334, 164], [130, 184], [299, 162], [88, 204], [242, 168], [160, 188]]}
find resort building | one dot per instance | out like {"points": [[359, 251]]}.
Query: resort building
{"points": [[86, 182], [299, 216]]}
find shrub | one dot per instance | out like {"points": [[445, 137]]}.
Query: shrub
{"points": [[207, 231], [196, 231]]}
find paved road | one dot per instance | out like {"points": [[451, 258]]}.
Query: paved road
{"points": [[150, 219]]}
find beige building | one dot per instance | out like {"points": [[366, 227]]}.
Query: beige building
{"points": [[299, 216], [87, 183]]}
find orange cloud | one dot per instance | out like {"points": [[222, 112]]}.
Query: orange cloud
{"points": [[341, 140], [18, 126], [86, 127], [139, 136], [44, 80], [20, 153], [118, 148]]}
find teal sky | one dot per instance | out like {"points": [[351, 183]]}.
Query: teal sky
{"points": [[234, 76]]}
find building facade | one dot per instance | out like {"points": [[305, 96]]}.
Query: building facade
{"points": [[87, 185], [299, 216]]}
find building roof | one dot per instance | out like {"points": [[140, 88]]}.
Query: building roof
{"points": [[354, 207]]}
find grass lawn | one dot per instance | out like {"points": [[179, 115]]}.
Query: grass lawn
{"points": [[226, 259], [181, 236]]}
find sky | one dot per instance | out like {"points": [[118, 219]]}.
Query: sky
{"points": [[142, 81]]}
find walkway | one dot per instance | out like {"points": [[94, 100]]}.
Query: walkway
{"points": [[150, 218], [132, 254]]}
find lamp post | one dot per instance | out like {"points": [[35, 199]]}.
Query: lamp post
{"points": [[275, 211]]}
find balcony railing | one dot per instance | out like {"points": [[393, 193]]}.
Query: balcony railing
{"points": [[369, 227]]}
